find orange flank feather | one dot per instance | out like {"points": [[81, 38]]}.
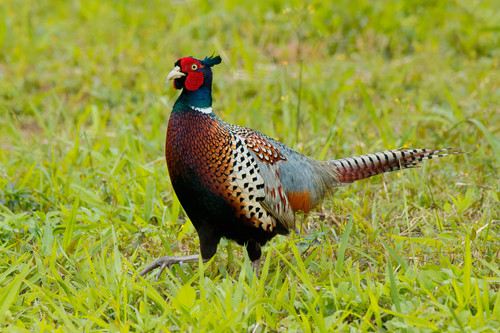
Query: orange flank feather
{"points": [[300, 201]]}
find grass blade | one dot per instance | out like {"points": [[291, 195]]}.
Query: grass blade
{"points": [[11, 291], [70, 225], [343, 245], [394, 287]]}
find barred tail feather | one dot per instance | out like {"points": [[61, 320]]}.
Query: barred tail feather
{"points": [[355, 168]]}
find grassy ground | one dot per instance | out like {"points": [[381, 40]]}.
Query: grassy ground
{"points": [[85, 200]]}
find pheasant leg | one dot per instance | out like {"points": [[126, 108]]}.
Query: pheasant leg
{"points": [[256, 266], [168, 261]]}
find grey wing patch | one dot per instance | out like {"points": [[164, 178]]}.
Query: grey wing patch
{"points": [[276, 200]]}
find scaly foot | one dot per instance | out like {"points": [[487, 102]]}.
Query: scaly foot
{"points": [[167, 261]]}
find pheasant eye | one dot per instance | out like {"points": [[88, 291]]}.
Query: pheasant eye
{"points": [[194, 67]]}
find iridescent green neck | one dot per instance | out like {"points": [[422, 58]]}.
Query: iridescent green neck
{"points": [[198, 99]]}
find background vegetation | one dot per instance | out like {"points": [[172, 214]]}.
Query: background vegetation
{"points": [[85, 199]]}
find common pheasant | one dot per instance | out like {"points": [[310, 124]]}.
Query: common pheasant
{"points": [[237, 183]]}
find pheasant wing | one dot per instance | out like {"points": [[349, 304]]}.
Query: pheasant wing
{"points": [[260, 198]]}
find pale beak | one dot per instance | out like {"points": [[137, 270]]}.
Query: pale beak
{"points": [[175, 74]]}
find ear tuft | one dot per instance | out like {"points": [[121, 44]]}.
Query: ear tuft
{"points": [[211, 61]]}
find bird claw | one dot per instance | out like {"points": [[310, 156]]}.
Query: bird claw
{"points": [[166, 261]]}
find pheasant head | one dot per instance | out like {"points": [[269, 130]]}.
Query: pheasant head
{"points": [[194, 77]]}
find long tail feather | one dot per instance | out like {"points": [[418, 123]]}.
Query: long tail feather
{"points": [[355, 168]]}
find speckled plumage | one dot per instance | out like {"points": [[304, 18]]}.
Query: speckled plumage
{"points": [[237, 183]]}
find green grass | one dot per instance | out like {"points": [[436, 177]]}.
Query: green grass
{"points": [[86, 202]]}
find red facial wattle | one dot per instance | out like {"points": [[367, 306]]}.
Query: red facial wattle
{"points": [[194, 77], [194, 80]]}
